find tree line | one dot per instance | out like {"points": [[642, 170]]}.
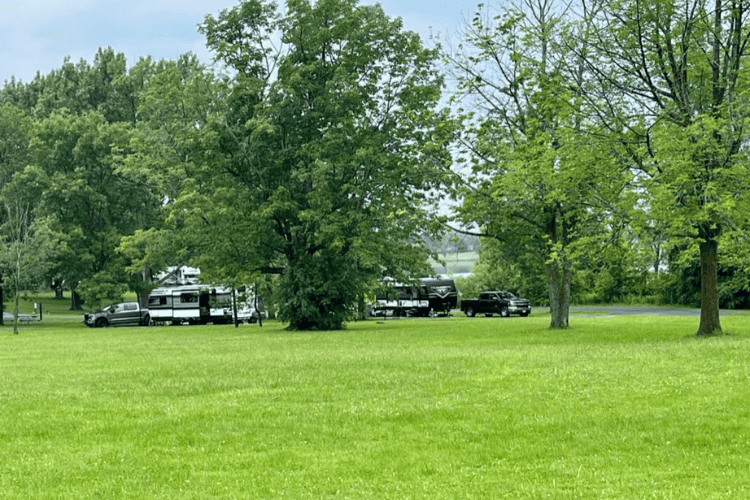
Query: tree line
{"points": [[595, 146]]}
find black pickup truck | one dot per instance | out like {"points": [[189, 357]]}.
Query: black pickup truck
{"points": [[493, 302]]}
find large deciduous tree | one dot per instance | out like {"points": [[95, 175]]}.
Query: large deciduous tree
{"points": [[335, 139], [538, 185], [671, 86]]}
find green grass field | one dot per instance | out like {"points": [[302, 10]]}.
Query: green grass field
{"points": [[629, 407]]}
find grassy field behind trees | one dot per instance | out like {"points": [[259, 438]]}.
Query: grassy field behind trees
{"points": [[630, 407]]}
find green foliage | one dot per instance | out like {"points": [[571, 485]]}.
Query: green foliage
{"points": [[91, 198], [103, 288], [15, 131], [679, 116], [316, 293], [72, 174], [613, 270], [335, 151], [682, 285], [539, 186], [497, 270]]}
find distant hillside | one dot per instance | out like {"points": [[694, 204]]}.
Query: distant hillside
{"points": [[452, 243], [455, 263]]}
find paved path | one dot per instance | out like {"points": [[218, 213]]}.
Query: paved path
{"points": [[641, 311]]}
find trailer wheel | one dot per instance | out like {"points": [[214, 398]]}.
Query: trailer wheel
{"points": [[469, 312]]}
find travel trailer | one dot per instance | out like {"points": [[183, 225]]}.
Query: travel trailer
{"points": [[431, 296], [196, 304]]}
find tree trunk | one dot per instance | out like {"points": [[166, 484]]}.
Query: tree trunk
{"points": [[710, 324], [75, 301], [58, 288], [15, 313], [147, 286], [559, 276], [2, 302]]}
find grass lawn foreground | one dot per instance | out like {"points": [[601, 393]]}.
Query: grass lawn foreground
{"points": [[624, 407]]}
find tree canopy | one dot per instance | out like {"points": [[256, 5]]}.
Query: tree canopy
{"points": [[668, 83], [336, 145]]}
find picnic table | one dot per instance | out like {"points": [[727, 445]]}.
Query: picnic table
{"points": [[23, 318]]}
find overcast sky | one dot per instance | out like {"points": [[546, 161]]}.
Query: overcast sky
{"points": [[36, 35]]}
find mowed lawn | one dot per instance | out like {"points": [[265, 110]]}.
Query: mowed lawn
{"points": [[454, 408]]}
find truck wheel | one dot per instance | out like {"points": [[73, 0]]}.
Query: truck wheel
{"points": [[470, 312], [524, 314], [504, 312], [146, 320], [101, 322]]}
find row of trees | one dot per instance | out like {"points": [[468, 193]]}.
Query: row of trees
{"points": [[312, 157], [619, 271], [584, 119], [320, 151]]}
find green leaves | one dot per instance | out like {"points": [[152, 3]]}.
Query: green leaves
{"points": [[334, 157]]}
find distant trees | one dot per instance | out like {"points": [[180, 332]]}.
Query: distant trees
{"points": [[78, 123]]}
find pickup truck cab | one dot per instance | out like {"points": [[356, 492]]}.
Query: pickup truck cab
{"points": [[124, 313], [495, 302]]}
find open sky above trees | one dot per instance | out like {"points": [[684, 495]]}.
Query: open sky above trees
{"points": [[36, 35]]}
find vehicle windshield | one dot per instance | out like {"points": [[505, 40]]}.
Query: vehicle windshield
{"points": [[510, 295]]}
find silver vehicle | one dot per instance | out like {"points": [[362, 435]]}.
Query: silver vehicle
{"points": [[124, 313]]}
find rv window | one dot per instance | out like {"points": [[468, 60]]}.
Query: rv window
{"points": [[188, 297], [221, 300], [157, 301]]}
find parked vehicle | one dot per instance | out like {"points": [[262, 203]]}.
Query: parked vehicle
{"points": [[248, 314], [178, 304], [124, 313], [494, 302], [197, 304], [431, 296]]}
